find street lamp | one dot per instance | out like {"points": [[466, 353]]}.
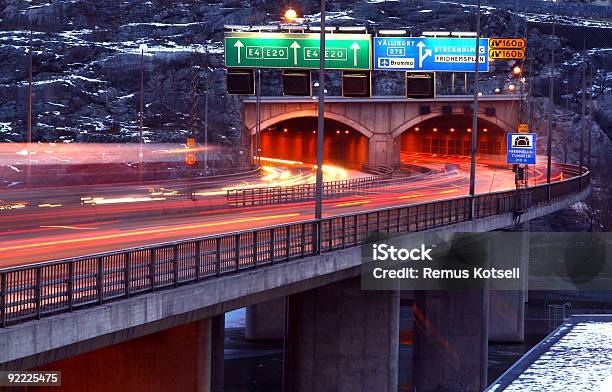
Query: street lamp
{"points": [[475, 116], [29, 171], [550, 106], [143, 49], [516, 70], [290, 15], [320, 126]]}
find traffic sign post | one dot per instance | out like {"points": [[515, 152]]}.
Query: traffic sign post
{"points": [[521, 148], [429, 54], [300, 51], [190, 159]]}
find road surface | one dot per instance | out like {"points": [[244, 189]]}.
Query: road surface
{"points": [[22, 242]]}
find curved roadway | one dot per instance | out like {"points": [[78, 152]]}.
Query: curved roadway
{"points": [[27, 237]]}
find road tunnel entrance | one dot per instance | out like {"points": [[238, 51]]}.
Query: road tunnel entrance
{"points": [[452, 135], [295, 139]]}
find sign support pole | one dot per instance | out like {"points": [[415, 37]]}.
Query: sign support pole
{"points": [[258, 117], [550, 107], [583, 112], [320, 129], [475, 117]]}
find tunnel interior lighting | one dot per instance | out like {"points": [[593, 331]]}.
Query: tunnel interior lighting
{"points": [[452, 129], [469, 129], [338, 132], [285, 130], [314, 131], [497, 90], [511, 87], [346, 132], [485, 130], [435, 129], [416, 129], [480, 94]]}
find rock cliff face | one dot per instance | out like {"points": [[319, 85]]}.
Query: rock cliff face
{"points": [[87, 63]]}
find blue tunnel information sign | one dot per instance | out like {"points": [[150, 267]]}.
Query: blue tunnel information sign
{"points": [[521, 148], [429, 54]]}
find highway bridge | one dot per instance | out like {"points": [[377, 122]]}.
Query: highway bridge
{"points": [[113, 287]]}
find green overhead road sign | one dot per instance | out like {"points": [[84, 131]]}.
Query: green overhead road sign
{"points": [[280, 50]]}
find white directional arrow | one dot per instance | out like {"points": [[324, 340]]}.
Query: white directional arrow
{"points": [[295, 47], [238, 45], [422, 56], [355, 46]]}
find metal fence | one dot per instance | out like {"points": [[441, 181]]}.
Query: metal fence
{"points": [[36, 290], [305, 192]]}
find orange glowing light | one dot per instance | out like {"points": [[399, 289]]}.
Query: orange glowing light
{"points": [[469, 129], [346, 132], [285, 130], [452, 129], [290, 14], [337, 132], [485, 130], [416, 129], [435, 129]]}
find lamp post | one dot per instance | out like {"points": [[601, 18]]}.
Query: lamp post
{"points": [[550, 107], [590, 116], [143, 49], [475, 115], [258, 118], [582, 113], [29, 167], [206, 85], [321, 121]]}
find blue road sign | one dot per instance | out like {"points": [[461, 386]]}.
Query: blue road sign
{"points": [[429, 54], [522, 148]]}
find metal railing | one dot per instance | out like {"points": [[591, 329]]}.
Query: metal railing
{"points": [[305, 192], [37, 290]]}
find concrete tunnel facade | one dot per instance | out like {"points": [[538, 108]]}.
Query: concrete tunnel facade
{"points": [[377, 130]]}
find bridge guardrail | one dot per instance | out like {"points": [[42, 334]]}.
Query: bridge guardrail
{"points": [[304, 192], [37, 290]]}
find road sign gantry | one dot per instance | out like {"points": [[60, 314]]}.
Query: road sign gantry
{"points": [[299, 51], [429, 54]]}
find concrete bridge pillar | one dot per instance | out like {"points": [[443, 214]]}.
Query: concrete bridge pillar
{"points": [[450, 348], [341, 338], [183, 358], [507, 307], [266, 321]]}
